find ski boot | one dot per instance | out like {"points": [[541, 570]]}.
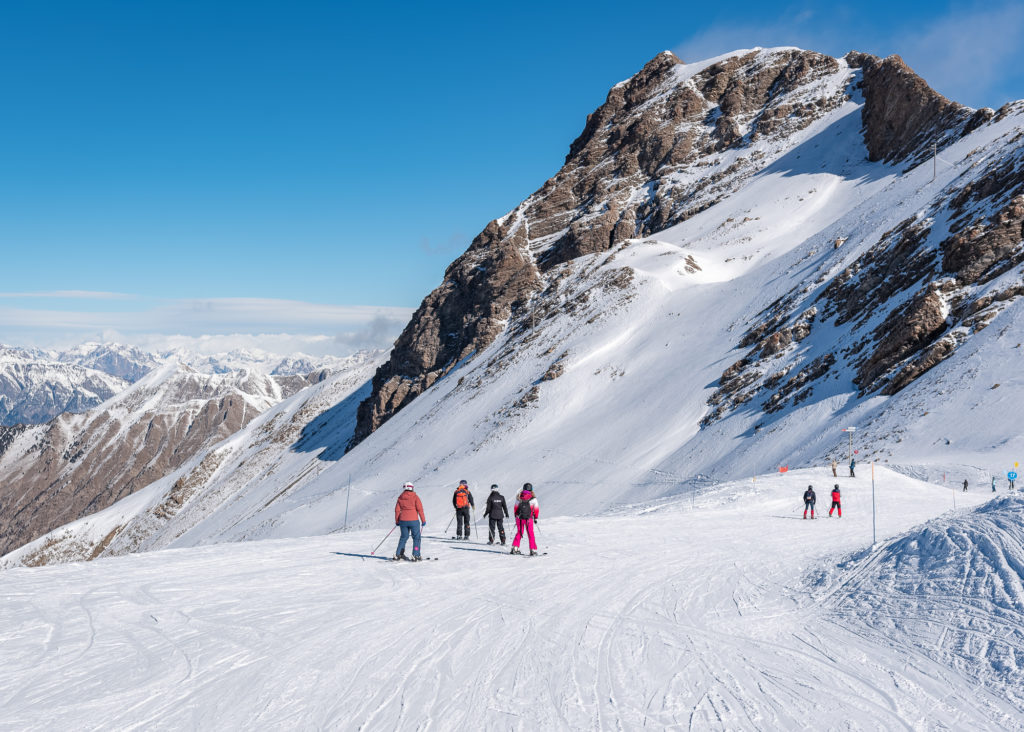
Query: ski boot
{"points": [[533, 553], [416, 558], [515, 550], [401, 557]]}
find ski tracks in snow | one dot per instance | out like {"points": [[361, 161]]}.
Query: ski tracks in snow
{"points": [[677, 619]]}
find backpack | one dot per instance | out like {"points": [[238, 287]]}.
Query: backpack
{"points": [[461, 497], [524, 512]]}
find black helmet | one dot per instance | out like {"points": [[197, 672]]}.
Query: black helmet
{"points": [[836, 486], [462, 482], [810, 487], [494, 486], [527, 486]]}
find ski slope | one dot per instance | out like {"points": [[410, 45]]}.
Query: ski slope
{"points": [[719, 609]]}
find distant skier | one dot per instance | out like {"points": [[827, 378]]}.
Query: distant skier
{"points": [[410, 517], [965, 485], [462, 499], [993, 484], [853, 464], [1011, 483], [836, 505], [497, 511], [527, 512], [835, 466], [809, 500]]}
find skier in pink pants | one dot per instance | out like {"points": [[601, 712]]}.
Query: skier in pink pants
{"points": [[527, 512]]}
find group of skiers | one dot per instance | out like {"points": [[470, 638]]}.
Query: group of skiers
{"points": [[410, 518], [810, 498]]}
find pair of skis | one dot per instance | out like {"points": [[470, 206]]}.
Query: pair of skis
{"points": [[406, 559]]}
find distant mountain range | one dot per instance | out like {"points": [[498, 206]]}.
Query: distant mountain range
{"points": [[37, 385], [75, 464]]}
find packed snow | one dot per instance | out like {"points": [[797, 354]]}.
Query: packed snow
{"points": [[720, 609]]}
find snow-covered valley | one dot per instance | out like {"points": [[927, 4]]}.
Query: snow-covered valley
{"points": [[719, 609]]}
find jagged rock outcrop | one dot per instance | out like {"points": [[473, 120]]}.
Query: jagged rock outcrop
{"points": [[906, 331], [985, 250], [649, 157], [480, 290], [902, 115]]}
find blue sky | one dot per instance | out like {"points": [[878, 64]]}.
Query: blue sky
{"points": [[254, 167]]}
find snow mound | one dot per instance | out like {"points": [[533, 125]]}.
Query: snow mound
{"points": [[951, 592]]}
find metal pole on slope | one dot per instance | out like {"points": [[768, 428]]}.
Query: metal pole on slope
{"points": [[874, 535], [347, 496], [850, 431], [935, 160]]}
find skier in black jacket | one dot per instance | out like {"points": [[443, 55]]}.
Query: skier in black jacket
{"points": [[809, 500], [496, 510]]}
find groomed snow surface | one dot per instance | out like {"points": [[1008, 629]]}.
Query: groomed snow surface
{"points": [[720, 609]]}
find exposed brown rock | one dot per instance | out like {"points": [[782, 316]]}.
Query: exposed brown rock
{"points": [[906, 331], [902, 115], [929, 358], [895, 264], [809, 373], [776, 342], [981, 252], [480, 291]]}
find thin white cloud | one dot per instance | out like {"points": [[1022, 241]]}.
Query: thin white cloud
{"points": [[70, 295], [208, 345], [248, 322], [965, 54]]}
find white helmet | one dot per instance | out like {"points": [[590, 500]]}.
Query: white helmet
{"points": [[408, 486]]}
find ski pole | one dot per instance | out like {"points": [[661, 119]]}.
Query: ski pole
{"points": [[476, 533], [384, 539], [449, 525]]}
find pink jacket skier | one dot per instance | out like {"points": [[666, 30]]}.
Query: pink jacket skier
{"points": [[527, 512]]}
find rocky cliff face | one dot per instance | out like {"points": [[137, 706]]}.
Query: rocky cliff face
{"points": [[674, 140], [903, 116], [667, 143], [78, 464]]}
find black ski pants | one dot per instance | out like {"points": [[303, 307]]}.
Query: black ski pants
{"points": [[496, 525], [462, 521]]}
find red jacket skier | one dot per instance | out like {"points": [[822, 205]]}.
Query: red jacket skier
{"points": [[836, 506], [410, 517]]}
